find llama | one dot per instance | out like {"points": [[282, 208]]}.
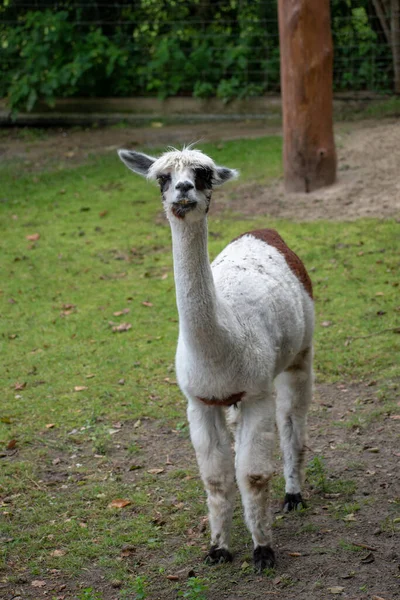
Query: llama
{"points": [[245, 323]]}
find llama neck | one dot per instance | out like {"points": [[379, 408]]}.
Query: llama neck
{"points": [[195, 291]]}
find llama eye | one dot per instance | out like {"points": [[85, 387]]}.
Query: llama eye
{"points": [[203, 179], [164, 180]]}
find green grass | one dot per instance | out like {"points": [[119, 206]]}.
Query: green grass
{"points": [[103, 248]]}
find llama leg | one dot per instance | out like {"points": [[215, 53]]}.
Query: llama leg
{"points": [[211, 441], [254, 469], [294, 387]]}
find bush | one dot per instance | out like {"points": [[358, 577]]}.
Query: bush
{"points": [[43, 56]]}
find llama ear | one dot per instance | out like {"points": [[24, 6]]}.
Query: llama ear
{"points": [[136, 161], [223, 174]]}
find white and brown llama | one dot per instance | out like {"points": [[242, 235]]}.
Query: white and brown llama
{"points": [[245, 326]]}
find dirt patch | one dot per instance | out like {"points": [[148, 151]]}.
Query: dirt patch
{"points": [[345, 539], [368, 182]]}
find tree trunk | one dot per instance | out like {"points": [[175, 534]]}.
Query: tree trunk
{"points": [[395, 41], [309, 154]]}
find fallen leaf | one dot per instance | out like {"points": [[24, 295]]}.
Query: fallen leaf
{"points": [[349, 517], [119, 503], [379, 294], [119, 313], [244, 565], [121, 381], [155, 471], [373, 450], [68, 306], [103, 213], [34, 237], [147, 304], [38, 583], [20, 386], [122, 327], [56, 461], [349, 575], [128, 550], [135, 467], [294, 554], [11, 444], [90, 376], [326, 323], [336, 589], [69, 154], [173, 577], [50, 425], [369, 558], [377, 598], [395, 417], [80, 388], [58, 553], [137, 424]]}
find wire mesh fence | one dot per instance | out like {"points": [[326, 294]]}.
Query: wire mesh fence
{"points": [[223, 48]]}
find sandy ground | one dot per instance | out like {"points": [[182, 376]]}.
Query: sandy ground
{"points": [[368, 182]]}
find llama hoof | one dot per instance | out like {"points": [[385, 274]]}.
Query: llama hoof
{"points": [[264, 558], [293, 502], [217, 556]]}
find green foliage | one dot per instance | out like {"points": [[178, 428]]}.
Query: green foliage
{"points": [[140, 588], [196, 589], [44, 56], [223, 48]]}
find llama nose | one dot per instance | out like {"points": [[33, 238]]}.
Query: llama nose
{"points": [[184, 186]]}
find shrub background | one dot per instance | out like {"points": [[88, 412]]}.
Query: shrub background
{"points": [[201, 48]]}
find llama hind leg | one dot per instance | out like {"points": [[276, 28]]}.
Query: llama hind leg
{"points": [[294, 393], [254, 470], [212, 443]]}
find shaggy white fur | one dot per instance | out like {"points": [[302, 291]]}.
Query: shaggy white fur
{"points": [[245, 323]]}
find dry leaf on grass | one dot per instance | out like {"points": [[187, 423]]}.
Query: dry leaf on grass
{"points": [[50, 425], [294, 554], [336, 589], [149, 304], [122, 327], [119, 313], [11, 444], [119, 503], [80, 388], [20, 385], [173, 577], [34, 237], [58, 553], [155, 471]]}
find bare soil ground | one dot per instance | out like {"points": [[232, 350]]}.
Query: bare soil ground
{"points": [[368, 181], [344, 544]]}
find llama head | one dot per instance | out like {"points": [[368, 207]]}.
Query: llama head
{"points": [[186, 179]]}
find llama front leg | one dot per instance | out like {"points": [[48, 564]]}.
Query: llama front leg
{"points": [[294, 388], [211, 441], [254, 470]]}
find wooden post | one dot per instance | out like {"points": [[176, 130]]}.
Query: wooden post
{"points": [[309, 154]]}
